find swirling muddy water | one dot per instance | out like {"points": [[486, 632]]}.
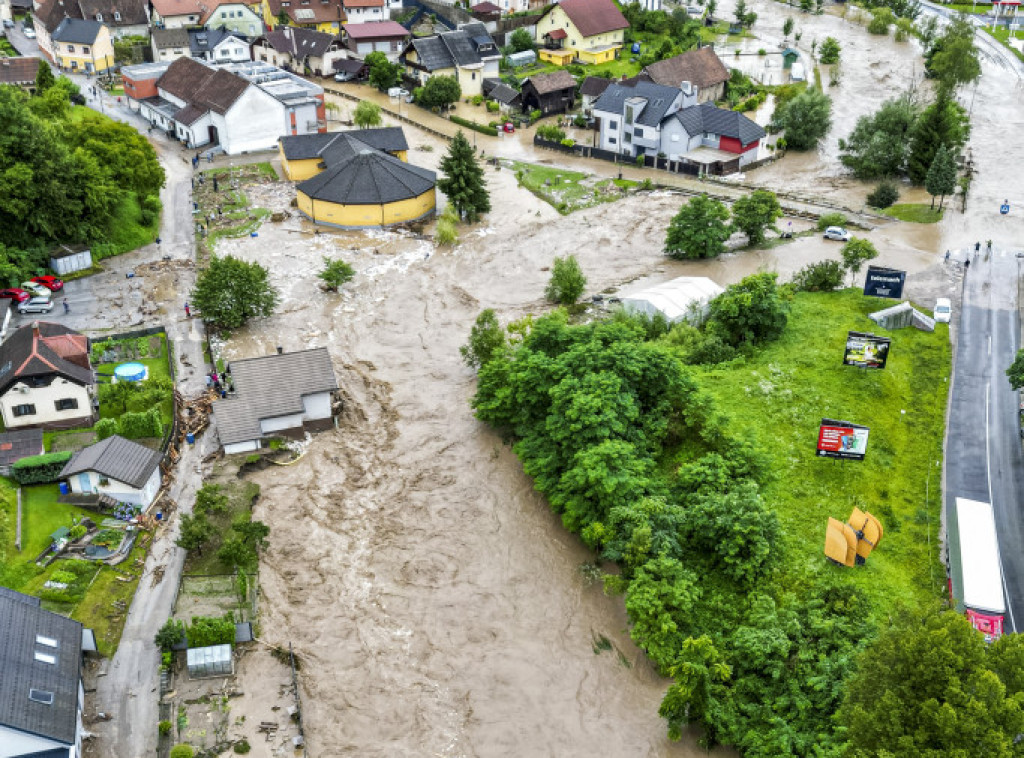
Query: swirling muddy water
{"points": [[436, 604]]}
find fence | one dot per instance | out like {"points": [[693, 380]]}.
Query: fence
{"points": [[389, 112], [689, 168], [298, 700]]}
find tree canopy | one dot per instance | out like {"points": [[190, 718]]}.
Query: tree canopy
{"points": [[953, 58], [463, 180], [367, 115], [806, 119], [699, 230], [878, 145], [567, 281], [856, 253], [383, 73], [439, 92], [230, 292], [753, 214], [941, 177], [751, 311]]}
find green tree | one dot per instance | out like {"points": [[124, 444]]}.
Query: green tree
{"points": [[170, 634], [752, 311], [1016, 371], [699, 230], [856, 253], [211, 498], [711, 6], [877, 146], [659, 602], [463, 180], [235, 553], [366, 115], [953, 58], [925, 688], [567, 281], [821, 276], [182, 751], [282, 18], [44, 78], [195, 532], [881, 19], [439, 92], [486, 340], [944, 122], [521, 40], [754, 213], [787, 26], [806, 119], [941, 177], [335, 273], [230, 292], [251, 532], [884, 195], [829, 51], [383, 73], [740, 12]]}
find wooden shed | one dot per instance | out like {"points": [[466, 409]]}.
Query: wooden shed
{"points": [[549, 93]]}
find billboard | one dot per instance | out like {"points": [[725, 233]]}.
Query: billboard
{"points": [[841, 439], [866, 350], [884, 282]]}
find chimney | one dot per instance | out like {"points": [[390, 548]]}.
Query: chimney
{"points": [[280, 350]]}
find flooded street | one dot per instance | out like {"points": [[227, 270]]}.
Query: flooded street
{"points": [[437, 605]]}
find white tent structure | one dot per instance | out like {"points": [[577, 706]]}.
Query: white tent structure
{"points": [[685, 298]]}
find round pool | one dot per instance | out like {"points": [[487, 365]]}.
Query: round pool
{"points": [[131, 372]]}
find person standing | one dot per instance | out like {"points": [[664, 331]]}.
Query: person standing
{"points": [[188, 311], [67, 308]]}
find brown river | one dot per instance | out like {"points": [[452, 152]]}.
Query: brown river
{"points": [[437, 606]]}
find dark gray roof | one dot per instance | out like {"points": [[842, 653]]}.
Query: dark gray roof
{"points": [[299, 42], [594, 85], [271, 386], [462, 47], [433, 54], [19, 444], [44, 349], [76, 31], [658, 98], [205, 40], [116, 458], [21, 622], [707, 118], [168, 38], [368, 178], [504, 94], [390, 139], [11, 594]]}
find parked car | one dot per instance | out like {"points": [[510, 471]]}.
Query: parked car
{"points": [[8, 24], [15, 294], [943, 310], [51, 283], [30, 33], [36, 305], [398, 92], [509, 127], [35, 290], [344, 76], [837, 233]]}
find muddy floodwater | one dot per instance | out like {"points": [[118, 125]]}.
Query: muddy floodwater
{"points": [[436, 604]]}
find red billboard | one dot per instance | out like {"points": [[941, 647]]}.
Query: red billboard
{"points": [[841, 439]]}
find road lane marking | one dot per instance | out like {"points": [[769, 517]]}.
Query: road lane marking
{"points": [[988, 473]]}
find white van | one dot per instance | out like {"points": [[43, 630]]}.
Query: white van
{"points": [[797, 73]]}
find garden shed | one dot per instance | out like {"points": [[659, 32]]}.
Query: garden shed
{"points": [[682, 299], [66, 259], [215, 660]]}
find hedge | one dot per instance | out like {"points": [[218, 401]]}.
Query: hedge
{"points": [[490, 130], [40, 469]]}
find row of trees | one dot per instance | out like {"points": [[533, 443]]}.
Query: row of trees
{"points": [[702, 226]]}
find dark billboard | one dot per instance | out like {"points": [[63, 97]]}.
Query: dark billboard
{"points": [[866, 350], [884, 282], [841, 439]]}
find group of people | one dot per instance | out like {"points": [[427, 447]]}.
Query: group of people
{"points": [[221, 383]]}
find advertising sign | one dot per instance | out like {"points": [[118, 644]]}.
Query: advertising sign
{"points": [[841, 439], [884, 282], [866, 350]]}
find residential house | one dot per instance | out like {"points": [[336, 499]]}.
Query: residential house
{"points": [[239, 16], [486, 12], [321, 15], [121, 17], [388, 37], [630, 117], [280, 394], [175, 14], [702, 68], [364, 11], [41, 693], [469, 54], [238, 107], [549, 93], [18, 444], [139, 83], [82, 46], [589, 31], [501, 93], [170, 44], [46, 379], [118, 468], [298, 49], [591, 89], [719, 130], [21, 72], [218, 46]]}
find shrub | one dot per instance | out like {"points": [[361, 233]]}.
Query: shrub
{"points": [[493, 106], [164, 727], [105, 427], [880, 21], [40, 469], [169, 635], [550, 132], [205, 631], [823, 276], [477, 99], [535, 115], [884, 195], [242, 747], [568, 142], [135, 426], [182, 751], [580, 122], [567, 281], [77, 532], [762, 51], [489, 130], [446, 234], [831, 219], [64, 577], [335, 273]]}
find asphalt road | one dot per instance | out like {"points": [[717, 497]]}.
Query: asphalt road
{"points": [[984, 459]]}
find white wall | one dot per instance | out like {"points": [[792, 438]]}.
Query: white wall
{"points": [[281, 423], [43, 398], [254, 122], [120, 491], [363, 15], [317, 406], [676, 142], [178, 22], [242, 447], [231, 50], [15, 743]]}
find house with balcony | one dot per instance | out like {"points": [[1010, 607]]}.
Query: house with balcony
{"points": [[175, 14], [365, 11], [587, 31], [320, 15], [630, 117], [237, 16], [469, 54], [388, 37], [708, 135], [298, 49]]}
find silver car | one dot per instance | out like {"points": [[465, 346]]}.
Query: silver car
{"points": [[36, 305], [35, 290], [837, 233]]}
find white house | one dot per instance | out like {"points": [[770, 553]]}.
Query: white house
{"points": [[46, 379], [630, 117], [281, 394], [119, 468], [176, 14], [730, 133], [297, 48], [41, 694], [218, 46], [364, 11]]}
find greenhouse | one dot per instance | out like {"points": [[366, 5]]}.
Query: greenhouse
{"points": [[215, 660]]}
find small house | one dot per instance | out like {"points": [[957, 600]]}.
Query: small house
{"points": [[118, 468], [21, 72], [549, 93], [591, 89], [67, 259], [388, 37], [298, 49], [501, 93]]}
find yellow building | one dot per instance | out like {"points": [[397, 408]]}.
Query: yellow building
{"points": [[592, 30], [82, 46], [357, 178], [321, 15], [468, 54]]}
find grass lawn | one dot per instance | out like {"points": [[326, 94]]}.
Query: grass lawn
{"points": [[569, 191], [915, 213], [241, 495], [105, 605], [976, 8], [778, 397]]}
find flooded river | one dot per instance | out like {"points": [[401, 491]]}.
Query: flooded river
{"points": [[437, 606]]}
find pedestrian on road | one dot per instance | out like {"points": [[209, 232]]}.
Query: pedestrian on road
{"points": [[219, 211], [977, 247], [158, 242], [202, 180], [195, 162], [967, 265], [209, 157], [188, 311], [67, 308], [947, 255], [216, 379], [989, 246]]}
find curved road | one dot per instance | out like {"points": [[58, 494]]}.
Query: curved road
{"points": [[984, 460]]}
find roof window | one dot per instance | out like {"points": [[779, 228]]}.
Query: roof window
{"points": [[47, 641], [40, 696], [46, 658]]}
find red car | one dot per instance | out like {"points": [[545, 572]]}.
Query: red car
{"points": [[51, 283], [15, 294]]}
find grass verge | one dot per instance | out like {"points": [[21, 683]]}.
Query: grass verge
{"points": [[915, 213], [778, 397], [568, 191]]}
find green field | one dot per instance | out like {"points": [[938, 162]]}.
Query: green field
{"points": [[915, 213], [569, 191], [778, 397]]}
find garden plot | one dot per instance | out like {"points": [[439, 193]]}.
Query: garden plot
{"points": [[212, 596]]}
